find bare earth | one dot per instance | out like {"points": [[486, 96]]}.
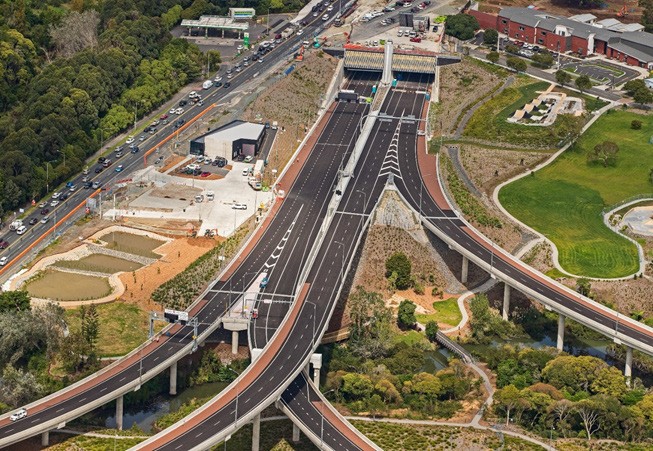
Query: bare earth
{"points": [[178, 254]]}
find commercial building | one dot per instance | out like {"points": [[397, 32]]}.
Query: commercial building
{"points": [[230, 140], [581, 34], [242, 13]]}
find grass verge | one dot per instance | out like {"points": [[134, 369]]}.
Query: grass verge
{"points": [[564, 200], [446, 312]]}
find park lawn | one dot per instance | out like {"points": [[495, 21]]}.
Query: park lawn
{"points": [[446, 312], [122, 327], [565, 199]]}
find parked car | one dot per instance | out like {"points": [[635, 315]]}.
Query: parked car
{"points": [[248, 158], [205, 174], [416, 39], [239, 206]]}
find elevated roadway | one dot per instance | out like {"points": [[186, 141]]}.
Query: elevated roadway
{"points": [[300, 212]]}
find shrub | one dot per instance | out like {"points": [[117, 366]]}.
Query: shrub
{"points": [[399, 264], [636, 125]]}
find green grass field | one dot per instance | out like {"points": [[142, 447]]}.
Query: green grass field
{"points": [[489, 122], [446, 312], [564, 200]]}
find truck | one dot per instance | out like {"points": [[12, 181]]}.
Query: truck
{"points": [[287, 33], [207, 84], [16, 224]]}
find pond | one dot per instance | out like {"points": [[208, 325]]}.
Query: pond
{"points": [[132, 243], [100, 263], [64, 286], [144, 417]]}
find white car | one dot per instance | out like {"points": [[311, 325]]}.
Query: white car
{"points": [[179, 111], [330, 8], [400, 33], [172, 110], [3, 261], [325, 18], [248, 158], [130, 139], [56, 195], [21, 413], [54, 203], [192, 95], [217, 78], [239, 206], [299, 32]]}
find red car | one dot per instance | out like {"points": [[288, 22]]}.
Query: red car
{"points": [[163, 117], [416, 39], [205, 174]]}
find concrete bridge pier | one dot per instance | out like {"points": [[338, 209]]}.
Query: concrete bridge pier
{"points": [[628, 370], [256, 432], [295, 433], [235, 325], [506, 301], [316, 361], [173, 378], [465, 270], [561, 331], [119, 408], [45, 438], [234, 342]]}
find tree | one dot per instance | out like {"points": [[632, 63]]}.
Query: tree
{"points": [[428, 386], [76, 32], [90, 326], [604, 153], [406, 314], [589, 412], [512, 48], [583, 286], [14, 301], [388, 391], [563, 77], [573, 374], [431, 330], [171, 17], [461, 26], [399, 264], [507, 399], [583, 83], [493, 57], [609, 381], [375, 405], [632, 86], [491, 37], [543, 60], [370, 329], [18, 387], [516, 64], [356, 386], [635, 124], [643, 96]]}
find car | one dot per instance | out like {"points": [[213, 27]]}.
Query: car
{"points": [[119, 149], [63, 197], [54, 203], [101, 160], [238, 69], [163, 117], [246, 63], [416, 39], [230, 76], [260, 60], [229, 71], [164, 122], [56, 195], [205, 174], [5, 244], [228, 85], [3, 261], [45, 211], [135, 149], [241, 157], [99, 169], [217, 85], [95, 185], [33, 221], [43, 204], [173, 110], [315, 14], [142, 138], [107, 163], [191, 95], [325, 18], [254, 313], [239, 206], [21, 230], [130, 140], [384, 22], [264, 283], [120, 168], [45, 219], [179, 111], [147, 129], [183, 103], [400, 33], [217, 78], [72, 188], [248, 158], [88, 185], [330, 8]]}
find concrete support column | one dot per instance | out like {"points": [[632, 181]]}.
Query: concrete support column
{"points": [[561, 331], [386, 77], [45, 438], [256, 432], [506, 301], [628, 370], [173, 379], [119, 405], [234, 342], [295, 433], [465, 270], [316, 377]]}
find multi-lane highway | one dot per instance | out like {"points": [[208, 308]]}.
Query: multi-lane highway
{"points": [[19, 245]]}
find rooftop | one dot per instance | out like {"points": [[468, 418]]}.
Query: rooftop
{"points": [[234, 131], [218, 22]]}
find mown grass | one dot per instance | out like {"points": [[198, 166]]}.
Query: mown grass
{"points": [[564, 200], [122, 327], [446, 312]]}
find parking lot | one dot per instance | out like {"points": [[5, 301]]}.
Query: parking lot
{"points": [[600, 71]]}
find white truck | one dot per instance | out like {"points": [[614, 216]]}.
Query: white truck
{"points": [[207, 84], [287, 33], [16, 224]]}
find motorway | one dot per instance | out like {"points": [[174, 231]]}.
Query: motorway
{"points": [[20, 245], [285, 353]]}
